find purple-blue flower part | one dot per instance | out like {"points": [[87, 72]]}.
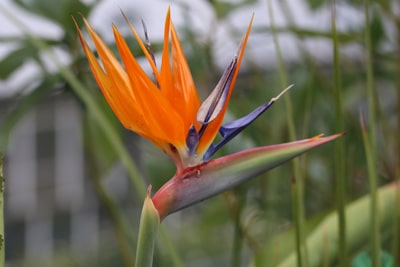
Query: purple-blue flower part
{"points": [[229, 130]]}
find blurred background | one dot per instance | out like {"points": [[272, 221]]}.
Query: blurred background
{"points": [[72, 172]]}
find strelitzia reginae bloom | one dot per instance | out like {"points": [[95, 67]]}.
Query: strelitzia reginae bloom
{"points": [[168, 112]]}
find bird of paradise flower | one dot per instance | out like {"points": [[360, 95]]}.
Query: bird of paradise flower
{"points": [[168, 112]]}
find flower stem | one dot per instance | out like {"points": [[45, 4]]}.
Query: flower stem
{"points": [[297, 185], [236, 201], [2, 240], [370, 143], [396, 218], [339, 146]]}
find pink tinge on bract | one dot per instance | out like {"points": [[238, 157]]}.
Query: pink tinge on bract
{"points": [[205, 180]]}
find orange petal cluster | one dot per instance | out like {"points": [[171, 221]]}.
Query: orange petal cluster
{"points": [[162, 110]]}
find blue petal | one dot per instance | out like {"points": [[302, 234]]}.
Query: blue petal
{"points": [[229, 130], [192, 140]]}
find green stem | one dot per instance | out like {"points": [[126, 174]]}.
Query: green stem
{"points": [[236, 205], [297, 185], [167, 243], [339, 146], [370, 144], [396, 228], [2, 239], [237, 245]]}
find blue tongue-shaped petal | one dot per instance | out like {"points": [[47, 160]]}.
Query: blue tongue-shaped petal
{"points": [[229, 130]]}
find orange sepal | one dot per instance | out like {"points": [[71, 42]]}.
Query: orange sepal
{"points": [[183, 88], [166, 123], [110, 93], [117, 90]]}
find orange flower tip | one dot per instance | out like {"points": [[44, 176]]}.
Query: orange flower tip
{"points": [[317, 136], [169, 11], [332, 136]]}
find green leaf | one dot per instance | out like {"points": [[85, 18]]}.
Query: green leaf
{"points": [[282, 244], [11, 39], [225, 8], [315, 4], [377, 31], [343, 37], [322, 242], [57, 11], [15, 59], [363, 259], [2, 240]]}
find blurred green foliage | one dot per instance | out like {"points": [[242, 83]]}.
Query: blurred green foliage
{"points": [[259, 211]]}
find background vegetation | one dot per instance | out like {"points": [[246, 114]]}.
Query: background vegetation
{"points": [[353, 86]]}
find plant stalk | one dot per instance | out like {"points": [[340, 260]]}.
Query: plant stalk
{"points": [[298, 183], [2, 238], [370, 143], [339, 146]]}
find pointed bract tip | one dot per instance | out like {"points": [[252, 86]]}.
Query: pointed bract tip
{"points": [[282, 93], [149, 190], [317, 136]]}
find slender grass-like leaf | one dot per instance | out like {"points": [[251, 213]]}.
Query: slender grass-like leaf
{"points": [[340, 156], [2, 238], [343, 37], [369, 138], [298, 184]]}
